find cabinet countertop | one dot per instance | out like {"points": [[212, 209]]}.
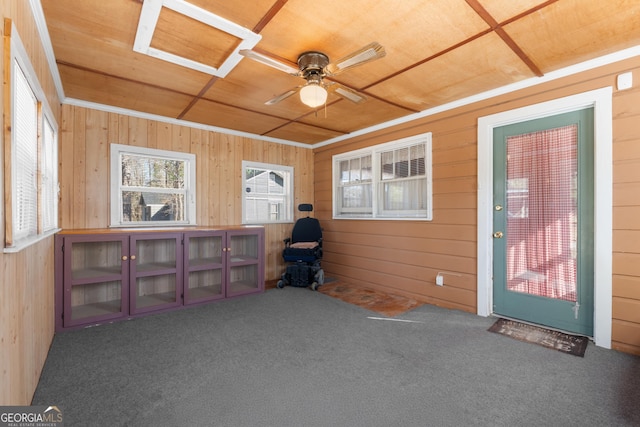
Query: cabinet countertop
{"points": [[118, 230]]}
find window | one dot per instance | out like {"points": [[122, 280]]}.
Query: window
{"points": [[152, 187], [267, 195], [32, 172], [387, 181]]}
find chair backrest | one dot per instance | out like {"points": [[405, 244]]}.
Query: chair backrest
{"points": [[306, 230]]}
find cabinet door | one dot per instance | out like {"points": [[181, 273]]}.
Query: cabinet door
{"points": [[95, 278], [155, 271], [204, 266], [245, 261]]}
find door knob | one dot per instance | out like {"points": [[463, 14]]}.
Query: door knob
{"points": [[498, 234]]}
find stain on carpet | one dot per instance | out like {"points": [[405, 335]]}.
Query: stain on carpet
{"points": [[377, 301]]}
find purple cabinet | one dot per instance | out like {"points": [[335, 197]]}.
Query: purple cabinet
{"points": [[107, 275]]}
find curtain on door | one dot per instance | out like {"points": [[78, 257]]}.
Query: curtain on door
{"points": [[542, 170]]}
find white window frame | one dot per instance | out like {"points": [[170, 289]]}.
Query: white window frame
{"points": [[288, 194], [377, 211], [189, 190], [44, 143]]}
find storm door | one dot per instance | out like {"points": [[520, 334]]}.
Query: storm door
{"points": [[543, 221]]}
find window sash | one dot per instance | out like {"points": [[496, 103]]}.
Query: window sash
{"points": [[267, 193], [151, 187], [397, 184]]}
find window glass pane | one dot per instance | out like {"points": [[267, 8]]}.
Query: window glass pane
{"points": [[143, 171], [354, 171], [267, 194], [402, 163], [277, 181], [344, 171], [366, 168], [356, 196], [146, 206], [49, 178], [386, 165], [417, 160], [404, 195]]}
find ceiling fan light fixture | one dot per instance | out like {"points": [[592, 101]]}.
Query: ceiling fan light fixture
{"points": [[313, 95]]}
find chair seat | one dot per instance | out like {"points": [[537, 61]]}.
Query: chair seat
{"points": [[302, 251], [304, 245]]}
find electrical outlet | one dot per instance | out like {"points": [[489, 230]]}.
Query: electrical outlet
{"points": [[440, 280]]}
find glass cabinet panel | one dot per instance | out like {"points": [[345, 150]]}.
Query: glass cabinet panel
{"points": [[96, 300], [155, 254], [244, 247], [154, 291], [205, 250], [95, 259], [243, 279], [204, 284]]}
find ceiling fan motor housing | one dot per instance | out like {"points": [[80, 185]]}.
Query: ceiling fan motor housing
{"points": [[312, 65]]}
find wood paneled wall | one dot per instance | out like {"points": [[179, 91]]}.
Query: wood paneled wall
{"points": [[26, 278], [84, 170], [405, 256]]}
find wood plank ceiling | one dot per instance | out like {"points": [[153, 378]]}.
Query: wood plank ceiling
{"points": [[437, 51]]}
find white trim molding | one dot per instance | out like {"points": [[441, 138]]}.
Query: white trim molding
{"points": [[601, 101]]}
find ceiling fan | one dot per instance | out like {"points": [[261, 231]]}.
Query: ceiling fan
{"points": [[314, 66]]}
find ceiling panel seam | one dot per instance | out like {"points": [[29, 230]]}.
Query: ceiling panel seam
{"points": [[497, 28]]}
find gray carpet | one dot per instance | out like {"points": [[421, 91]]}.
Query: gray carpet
{"points": [[294, 357]]}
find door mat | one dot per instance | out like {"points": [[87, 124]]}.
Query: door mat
{"points": [[548, 338], [380, 302]]}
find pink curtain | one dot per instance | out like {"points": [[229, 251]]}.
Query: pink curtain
{"points": [[542, 213]]}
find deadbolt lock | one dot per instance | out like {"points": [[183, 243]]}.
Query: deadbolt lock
{"points": [[498, 234], [498, 207]]}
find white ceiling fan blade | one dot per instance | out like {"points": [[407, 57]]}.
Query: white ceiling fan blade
{"points": [[347, 93], [282, 96], [247, 53], [370, 52]]}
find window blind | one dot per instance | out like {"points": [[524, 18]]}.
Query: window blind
{"points": [[25, 157]]}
